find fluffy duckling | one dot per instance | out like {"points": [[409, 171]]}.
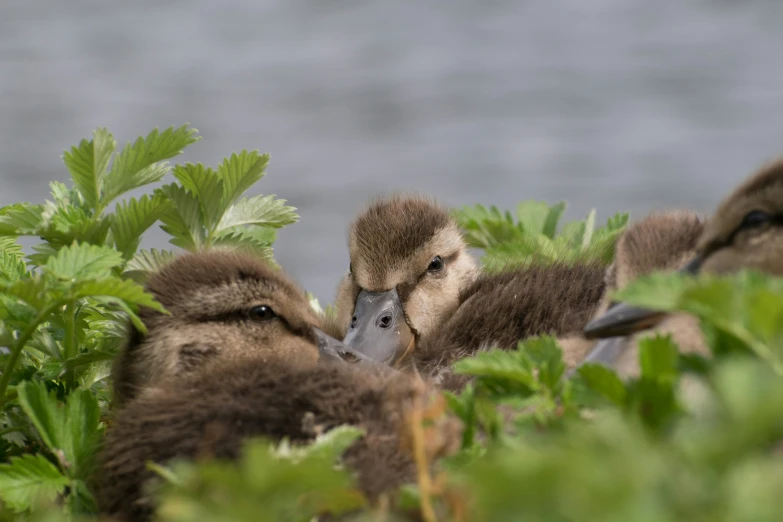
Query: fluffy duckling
{"points": [[744, 232], [223, 306], [661, 241], [258, 377], [414, 295], [409, 264]]}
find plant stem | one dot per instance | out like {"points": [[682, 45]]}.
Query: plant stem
{"points": [[16, 351], [70, 342]]}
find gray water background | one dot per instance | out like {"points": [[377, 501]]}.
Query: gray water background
{"points": [[614, 104]]}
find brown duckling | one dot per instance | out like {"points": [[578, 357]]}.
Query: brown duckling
{"points": [[261, 380], [661, 241], [415, 296], [409, 263], [223, 306], [744, 232]]}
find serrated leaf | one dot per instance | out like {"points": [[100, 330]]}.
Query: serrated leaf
{"points": [[141, 163], [72, 431], [547, 357], [132, 217], [532, 215], [265, 211], [115, 290], [183, 220], [205, 184], [32, 291], [81, 260], [502, 372], [239, 172], [12, 264], [147, 261], [20, 219], [257, 240], [29, 480], [87, 164]]}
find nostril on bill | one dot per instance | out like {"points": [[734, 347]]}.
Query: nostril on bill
{"points": [[353, 321], [348, 356]]}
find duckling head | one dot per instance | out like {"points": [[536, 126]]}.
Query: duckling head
{"points": [[409, 262], [745, 232], [222, 306], [659, 242]]}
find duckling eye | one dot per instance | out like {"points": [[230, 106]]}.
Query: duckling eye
{"points": [[755, 218], [262, 313], [436, 265]]}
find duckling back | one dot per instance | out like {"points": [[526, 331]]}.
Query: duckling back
{"points": [[498, 310], [209, 415]]}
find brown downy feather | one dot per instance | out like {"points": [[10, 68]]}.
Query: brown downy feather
{"points": [[743, 233], [499, 310], [209, 296], [659, 242], [211, 416]]}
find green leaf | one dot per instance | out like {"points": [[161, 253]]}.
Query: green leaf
{"points": [[265, 211], [87, 164], [500, 372], [147, 261], [80, 261], [239, 172], [257, 240], [604, 382], [29, 480], [132, 217], [205, 184], [71, 432], [658, 357], [183, 220], [547, 358], [20, 219], [32, 291], [533, 215], [552, 219], [114, 289], [140, 164]]}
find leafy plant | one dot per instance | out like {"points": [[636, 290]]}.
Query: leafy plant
{"points": [[64, 308], [533, 236]]}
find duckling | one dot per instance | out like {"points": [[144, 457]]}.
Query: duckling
{"points": [[408, 264], [744, 232], [223, 306], [415, 296], [661, 241], [261, 380]]}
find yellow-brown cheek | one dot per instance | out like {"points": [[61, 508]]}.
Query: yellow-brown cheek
{"points": [[427, 307], [758, 253]]}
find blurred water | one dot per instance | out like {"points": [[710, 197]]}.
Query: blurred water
{"points": [[614, 104]]}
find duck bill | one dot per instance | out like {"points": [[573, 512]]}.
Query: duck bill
{"points": [[623, 319], [378, 328], [333, 351]]}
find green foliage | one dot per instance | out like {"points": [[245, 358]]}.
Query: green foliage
{"points": [[690, 438], [270, 484], [532, 236], [65, 307]]}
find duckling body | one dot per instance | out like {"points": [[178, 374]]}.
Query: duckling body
{"points": [[498, 310], [211, 415], [744, 233], [262, 377], [414, 296]]}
